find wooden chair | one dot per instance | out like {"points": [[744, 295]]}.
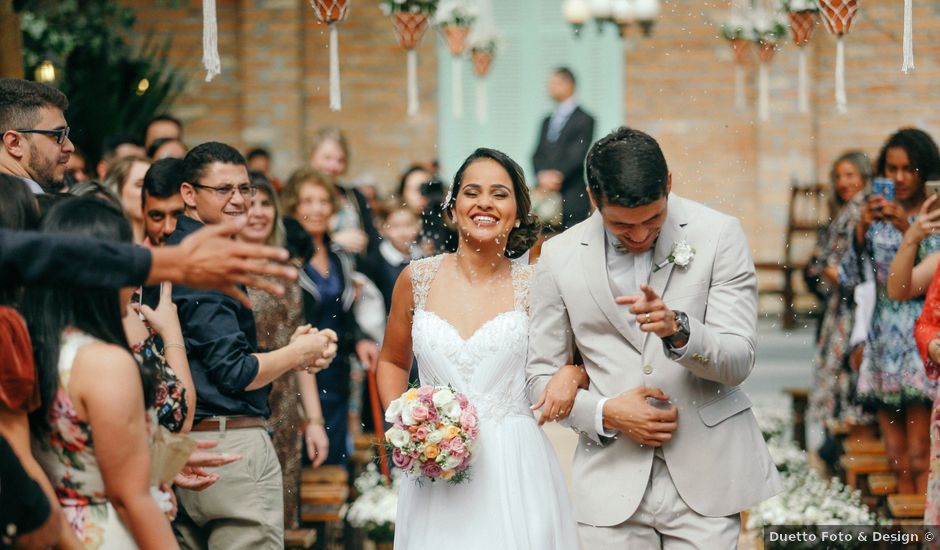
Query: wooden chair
{"points": [[858, 466], [807, 213], [907, 506], [323, 495], [300, 538]]}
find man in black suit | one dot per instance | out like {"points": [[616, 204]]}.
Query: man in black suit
{"points": [[564, 140]]}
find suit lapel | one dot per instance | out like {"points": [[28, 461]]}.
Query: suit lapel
{"points": [[672, 231], [594, 267]]}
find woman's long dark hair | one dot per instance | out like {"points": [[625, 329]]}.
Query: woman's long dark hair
{"points": [[97, 312], [18, 210], [520, 238]]}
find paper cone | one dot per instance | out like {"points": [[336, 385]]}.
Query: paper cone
{"points": [[481, 62], [802, 26], [168, 455]]}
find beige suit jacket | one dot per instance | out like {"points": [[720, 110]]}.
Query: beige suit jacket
{"points": [[717, 457]]}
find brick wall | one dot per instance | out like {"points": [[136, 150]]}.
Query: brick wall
{"points": [[273, 90], [679, 87]]}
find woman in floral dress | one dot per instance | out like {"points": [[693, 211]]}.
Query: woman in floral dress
{"points": [[892, 380], [91, 433], [833, 386]]}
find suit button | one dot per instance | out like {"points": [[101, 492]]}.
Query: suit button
{"points": [[648, 369]]}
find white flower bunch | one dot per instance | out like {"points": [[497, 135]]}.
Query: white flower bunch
{"points": [[377, 504], [414, 6], [810, 500], [459, 13], [773, 418], [795, 6], [788, 458], [485, 38]]}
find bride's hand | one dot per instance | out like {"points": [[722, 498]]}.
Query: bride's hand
{"points": [[557, 399]]}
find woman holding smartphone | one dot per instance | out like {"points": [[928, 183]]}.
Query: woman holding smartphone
{"points": [[892, 380]]}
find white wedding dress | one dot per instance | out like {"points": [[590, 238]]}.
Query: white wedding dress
{"points": [[515, 498]]}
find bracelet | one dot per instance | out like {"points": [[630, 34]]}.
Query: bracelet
{"points": [[315, 420], [174, 345]]}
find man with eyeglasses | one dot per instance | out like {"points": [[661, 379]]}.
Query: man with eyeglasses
{"points": [[36, 145], [244, 509]]}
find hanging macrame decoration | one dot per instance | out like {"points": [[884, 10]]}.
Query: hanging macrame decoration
{"points": [[210, 41], [802, 27], [454, 18], [907, 64], [738, 32], [838, 15], [768, 31], [482, 59], [332, 12], [410, 25]]}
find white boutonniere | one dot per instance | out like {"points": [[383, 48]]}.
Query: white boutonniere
{"points": [[681, 255]]}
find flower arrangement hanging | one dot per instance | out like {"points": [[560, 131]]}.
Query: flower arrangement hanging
{"points": [[804, 17], [768, 32], [838, 15], [739, 34], [454, 19], [484, 44], [332, 12], [410, 19]]}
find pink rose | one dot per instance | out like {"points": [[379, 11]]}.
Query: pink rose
{"points": [[468, 421], [420, 434], [445, 444], [426, 392], [401, 460], [457, 447], [470, 409], [462, 399], [431, 469], [432, 413], [420, 413], [464, 464], [473, 432]]}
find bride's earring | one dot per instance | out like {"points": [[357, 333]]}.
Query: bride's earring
{"points": [[518, 223]]}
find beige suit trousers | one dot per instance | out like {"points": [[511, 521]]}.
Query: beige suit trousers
{"points": [[244, 509], [664, 520]]}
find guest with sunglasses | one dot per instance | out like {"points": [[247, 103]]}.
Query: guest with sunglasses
{"points": [[36, 145]]}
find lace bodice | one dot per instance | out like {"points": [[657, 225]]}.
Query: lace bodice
{"points": [[489, 365]]}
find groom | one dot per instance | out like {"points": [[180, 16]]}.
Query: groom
{"points": [[659, 295]]}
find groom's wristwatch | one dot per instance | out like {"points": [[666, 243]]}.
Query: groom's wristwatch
{"points": [[681, 336]]}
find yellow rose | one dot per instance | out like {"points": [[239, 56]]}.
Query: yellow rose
{"points": [[411, 394], [431, 452], [451, 432], [447, 474]]}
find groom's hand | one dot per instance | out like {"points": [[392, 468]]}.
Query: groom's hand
{"points": [[652, 315], [630, 414]]}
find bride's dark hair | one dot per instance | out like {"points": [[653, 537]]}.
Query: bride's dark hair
{"points": [[520, 238]]}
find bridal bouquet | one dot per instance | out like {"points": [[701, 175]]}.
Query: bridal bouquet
{"points": [[433, 433]]}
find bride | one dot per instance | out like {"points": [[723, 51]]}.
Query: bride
{"points": [[464, 316]]}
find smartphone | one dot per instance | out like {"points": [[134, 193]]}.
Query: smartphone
{"points": [[932, 187], [883, 187]]}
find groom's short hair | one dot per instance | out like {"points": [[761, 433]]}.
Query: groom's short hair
{"points": [[626, 168]]}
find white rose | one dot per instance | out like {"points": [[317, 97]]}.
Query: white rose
{"points": [[436, 436], [451, 462], [406, 417], [682, 253], [443, 397], [451, 410], [398, 438], [393, 409]]}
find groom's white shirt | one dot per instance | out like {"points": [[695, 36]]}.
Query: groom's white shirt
{"points": [[717, 448]]}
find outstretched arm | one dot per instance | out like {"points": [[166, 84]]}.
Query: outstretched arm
{"points": [[551, 346], [396, 355]]}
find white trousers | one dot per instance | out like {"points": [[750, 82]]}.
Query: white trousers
{"points": [[664, 520]]}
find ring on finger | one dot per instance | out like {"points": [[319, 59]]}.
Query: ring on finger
{"points": [[648, 318]]}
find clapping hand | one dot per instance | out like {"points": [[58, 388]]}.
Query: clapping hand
{"points": [[631, 414], [558, 397], [317, 348], [651, 313]]}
